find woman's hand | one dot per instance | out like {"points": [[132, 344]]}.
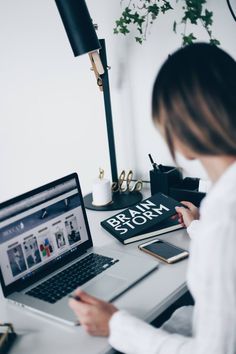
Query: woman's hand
{"points": [[94, 315], [187, 215]]}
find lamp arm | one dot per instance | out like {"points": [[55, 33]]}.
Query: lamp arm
{"points": [[100, 68]]}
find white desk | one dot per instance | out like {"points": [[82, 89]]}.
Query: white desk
{"points": [[147, 300]]}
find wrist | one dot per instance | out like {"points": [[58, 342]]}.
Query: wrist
{"points": [[112, 319], [189, 222], [112, 312], [192, 229]]}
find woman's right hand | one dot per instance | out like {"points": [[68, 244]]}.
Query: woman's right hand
{"points": [[187, 215]]}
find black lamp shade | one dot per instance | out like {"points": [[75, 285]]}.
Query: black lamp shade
{"points": [[78, 25]]}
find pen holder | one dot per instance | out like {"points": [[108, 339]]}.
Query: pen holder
{"points": [[161, 180], [169, 180], [187, 189]]}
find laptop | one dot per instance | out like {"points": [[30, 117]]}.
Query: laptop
{"points": [[46, 252]]}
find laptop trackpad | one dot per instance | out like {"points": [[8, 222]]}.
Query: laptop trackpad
{"points": [[104, 286]]}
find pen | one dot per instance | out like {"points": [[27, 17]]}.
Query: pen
{"points": [[154, 165], [77, 298]]}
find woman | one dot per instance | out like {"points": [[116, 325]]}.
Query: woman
{"points": [[194, 106]]}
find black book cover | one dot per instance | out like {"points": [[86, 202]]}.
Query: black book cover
{"points": [[143, 219]]}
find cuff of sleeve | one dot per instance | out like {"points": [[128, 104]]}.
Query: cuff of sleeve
{"points": [[116, 328], [131, 335], [193, 228], [114, 318]]}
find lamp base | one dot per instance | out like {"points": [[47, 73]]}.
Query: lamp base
{"points": [[119, 201]]}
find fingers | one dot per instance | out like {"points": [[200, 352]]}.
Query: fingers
{"points": [[80, 308], [92, 330], [85, 297], [177, 216], [84, 312], [174, 217], [189, 205], [180, 219], [89, 329], [93, 314], [185, 216], [181, 210]]}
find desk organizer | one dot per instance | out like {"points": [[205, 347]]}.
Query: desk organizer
{"points": [[169, 180]]}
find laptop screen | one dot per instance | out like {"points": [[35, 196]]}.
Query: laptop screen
{"points": [[41, 229]]}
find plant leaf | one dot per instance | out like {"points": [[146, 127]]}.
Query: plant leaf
{"points": [[214, 41], [139, 40], [189, 39]]}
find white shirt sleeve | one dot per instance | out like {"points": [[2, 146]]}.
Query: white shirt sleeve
{"points": [[215, 307], [130, 335]]}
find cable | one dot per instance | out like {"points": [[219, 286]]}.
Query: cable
{"points": [[231, 10]]}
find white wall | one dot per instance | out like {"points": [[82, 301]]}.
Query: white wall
{"points": [[144, 62], [52, 117]]}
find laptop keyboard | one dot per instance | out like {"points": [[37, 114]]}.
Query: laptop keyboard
{"points": [[63, 283]]}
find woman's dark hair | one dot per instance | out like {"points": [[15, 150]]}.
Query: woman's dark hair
{"points": [[194, 100]]}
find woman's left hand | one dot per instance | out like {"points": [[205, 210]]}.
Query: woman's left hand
{"points": [[93, 314]]}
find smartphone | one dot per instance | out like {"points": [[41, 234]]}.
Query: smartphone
{"points": [[164, 251]]}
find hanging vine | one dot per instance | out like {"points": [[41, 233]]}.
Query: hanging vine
{"points": [[141, 14]]}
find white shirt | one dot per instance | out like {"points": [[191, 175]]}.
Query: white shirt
{"points": [[211, 279]]}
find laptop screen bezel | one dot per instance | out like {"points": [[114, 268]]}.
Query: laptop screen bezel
{"points": [[48, 268]]}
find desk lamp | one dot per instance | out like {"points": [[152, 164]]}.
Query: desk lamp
{"points": [[83, 39]]}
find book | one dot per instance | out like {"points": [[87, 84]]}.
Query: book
{"points": [[149, 218]]}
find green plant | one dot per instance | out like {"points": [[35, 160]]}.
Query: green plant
{"points": [[141, 14]]}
